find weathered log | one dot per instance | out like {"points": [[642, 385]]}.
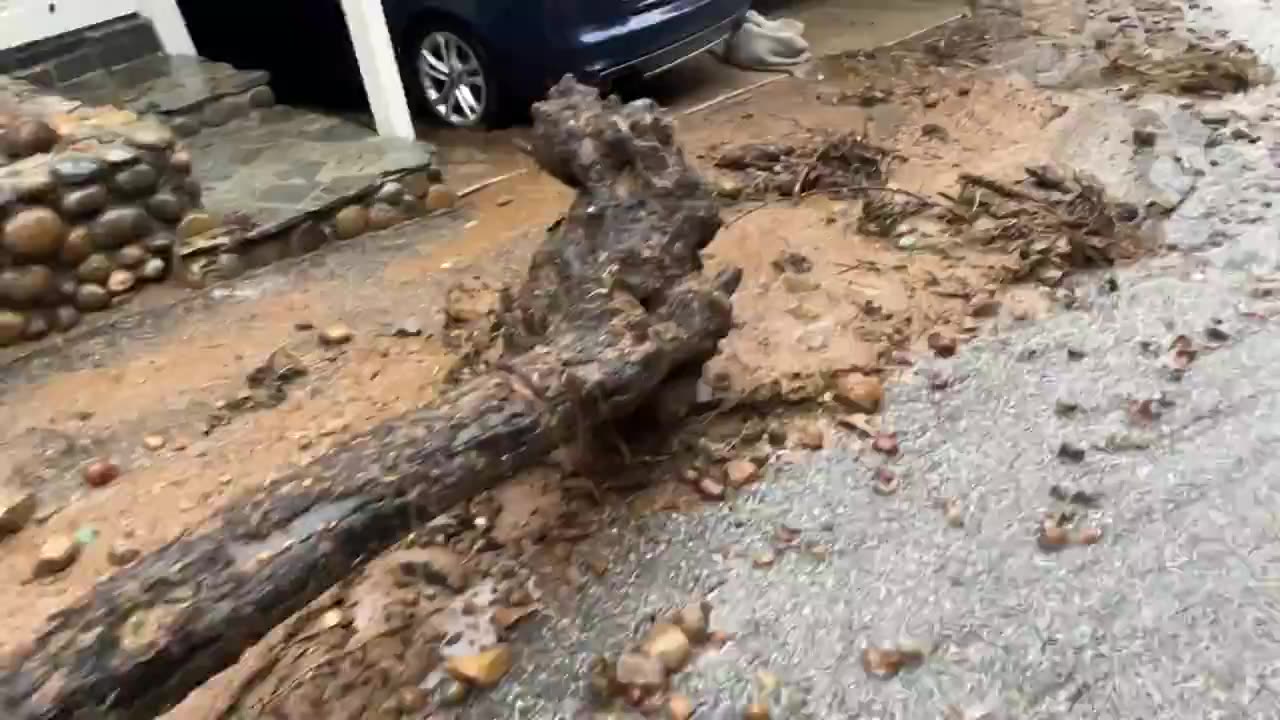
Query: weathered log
{"points": [[614, 301]]}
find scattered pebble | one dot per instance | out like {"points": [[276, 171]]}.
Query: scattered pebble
{"points": [[505, 200], [710, 489], [154, 442], [764, 559], [101, 473], [483, 669], [885, 663], [17, 508], [1071, 451], [694, 620], [452, 692], [863, 392], [756, 711], [336, 334], [670, 645], [122, 553], [740, 473], [884, 482], [57, 554], [953, 511], [679, 707], [640, 671], [941, 344], [808, 436], [886, 444]]}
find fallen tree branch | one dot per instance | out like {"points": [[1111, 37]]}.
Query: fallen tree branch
{"points": [[613, 303]]}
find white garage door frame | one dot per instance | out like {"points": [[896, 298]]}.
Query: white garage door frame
{"points": [[26, 21]]}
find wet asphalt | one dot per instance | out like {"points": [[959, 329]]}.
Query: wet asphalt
{"points": [[1175, 613]]}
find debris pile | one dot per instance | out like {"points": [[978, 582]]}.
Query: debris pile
{"points": [[1206, 71], [837, 163], [1049, 224]]}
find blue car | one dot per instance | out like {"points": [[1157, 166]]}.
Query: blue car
{"points": [[474, 63]]}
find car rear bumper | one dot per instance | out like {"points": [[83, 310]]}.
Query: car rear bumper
{"points": [[672, 55]]}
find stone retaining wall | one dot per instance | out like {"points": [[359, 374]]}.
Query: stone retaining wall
{"points": [[91, 205]]}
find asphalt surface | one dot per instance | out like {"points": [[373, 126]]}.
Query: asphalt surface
{"points": [[1175, 613]]}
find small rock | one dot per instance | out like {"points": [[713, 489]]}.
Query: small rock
{"points": [[34, 232], [165, 207], [122, 553], [27, 284], [95, 269], [84, 200], [136, 180], [434, 564], [308, 237], [131, 256], [483, 669], [11, 326], [941, 344], [119, 226], [679, 707], [65, 317], [1144, 137], [391, 193], [862, 392], [694, 620], [885, 444], [804, 312], [76, 169], [153, 269], [38, 326], [149, 135], [440, 197], [56, 555], [336, 334], [121, 281], [808, 436], [77, 246], [154, 442], [91, 297], [101, 473], [764, 559], [451, 692], [383, 216], [798, 284], [504, 201], [1071, 451], [953, 511], [984, 307], [351, 221], [756, 711], [17, 508], [409, 327], [261, 97], [884, 482], [740, 473], [670, 645], [196, 223], [640, 671], [28, 137], [1063, 407], [710, 489]]}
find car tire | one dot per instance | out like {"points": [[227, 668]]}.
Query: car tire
{"points": [[451, 77]]}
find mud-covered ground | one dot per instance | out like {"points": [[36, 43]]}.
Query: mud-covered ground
{"points": [[769, 501]]}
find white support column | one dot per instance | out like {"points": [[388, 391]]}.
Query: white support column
{"points": [[166, 18], [378, 67]]}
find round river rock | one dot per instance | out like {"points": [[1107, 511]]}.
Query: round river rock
{"points": [[65, 317], [137, 180], [76, 169], [119, 226], [95, 269], [84, 200], [121, 282], [351, 221], [34, 232], [77, 247], [11, 326], [26, 284], [91, 297], [165, 207]]}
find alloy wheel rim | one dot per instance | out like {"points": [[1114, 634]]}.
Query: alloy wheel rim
{"points": [[452, 78]]}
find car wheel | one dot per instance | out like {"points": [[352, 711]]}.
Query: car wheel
{"points": [[454, 80]]}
